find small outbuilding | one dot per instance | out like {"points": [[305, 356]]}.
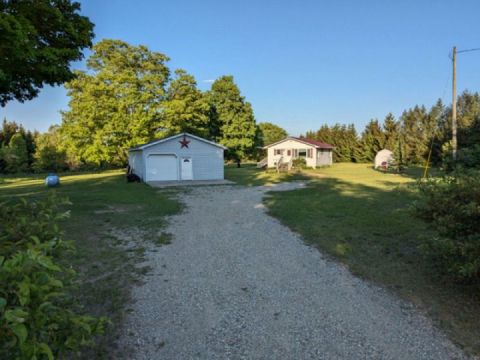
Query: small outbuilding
{"points": [[384, 158], [314, 152], [176, 158]]}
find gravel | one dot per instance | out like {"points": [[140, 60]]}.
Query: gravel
{"points": [[236, 284]]}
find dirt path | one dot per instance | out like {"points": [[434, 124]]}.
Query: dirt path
{"points": [[236, 284]]}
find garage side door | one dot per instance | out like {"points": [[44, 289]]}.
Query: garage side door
{"points": [[162, 168]]}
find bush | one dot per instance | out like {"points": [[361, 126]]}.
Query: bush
{"points": [[452, 206], [299, 163], [38, 319], [467, 158]]}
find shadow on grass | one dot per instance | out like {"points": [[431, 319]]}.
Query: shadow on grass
{"points": [[371, 230], [250, 175]]}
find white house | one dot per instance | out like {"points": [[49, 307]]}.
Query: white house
{"points": [[314, 152], [179, 157]]}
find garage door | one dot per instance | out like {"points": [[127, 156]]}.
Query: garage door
{"points": [[162, 168]]}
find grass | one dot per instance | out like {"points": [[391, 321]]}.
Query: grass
{"points": [[361, 217], [249, 175], [111, 223]]}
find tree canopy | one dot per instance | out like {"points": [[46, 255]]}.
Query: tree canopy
{"points": [[269, 133], [38, 41], [234, 116], [186, 108], [117, 104]]}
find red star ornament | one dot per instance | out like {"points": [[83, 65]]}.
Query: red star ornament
{"points": [[184, 142]]}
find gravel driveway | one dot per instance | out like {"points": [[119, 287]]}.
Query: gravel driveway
{"points": [[236, 284]]}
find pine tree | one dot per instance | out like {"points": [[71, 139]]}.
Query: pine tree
{"points": [[372, 141], [418, 128], [391, 131], [15, 154]]}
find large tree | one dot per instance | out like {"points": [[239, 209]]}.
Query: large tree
{"points": [[117, 104], [38, 41], [418, 130], [269, 133], [186, 108], [234, 118], [391, 130], [372, 140]]}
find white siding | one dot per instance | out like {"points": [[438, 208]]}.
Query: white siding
{"points": [[290, 144], [324, 157], [207, 159]]}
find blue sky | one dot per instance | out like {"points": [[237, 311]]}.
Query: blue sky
{"points": [[300, 63]]}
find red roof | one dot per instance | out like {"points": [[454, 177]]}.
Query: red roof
{"points": [[315, 143]]}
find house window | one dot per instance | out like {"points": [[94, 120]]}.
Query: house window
{"points": [[278, 152], [289, 152], [302, 152], [309, 153]]}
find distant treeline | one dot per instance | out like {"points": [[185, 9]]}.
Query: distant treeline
{"points": [[128, 97], [411, 136]]}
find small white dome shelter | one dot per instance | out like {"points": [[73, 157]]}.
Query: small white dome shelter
{"points": [[384, 157]]}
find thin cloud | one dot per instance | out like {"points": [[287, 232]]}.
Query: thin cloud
{"points": [[209, 81]]}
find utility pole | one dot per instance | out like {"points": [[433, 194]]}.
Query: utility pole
{"points": [[454, 99], [454, 105]]}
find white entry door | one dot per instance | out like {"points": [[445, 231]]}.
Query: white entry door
{"points": [[186, 168]]}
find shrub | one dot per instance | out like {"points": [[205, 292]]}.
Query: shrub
{"points": [[38, 319], [468, 158], [452, 206], [299, 163]]}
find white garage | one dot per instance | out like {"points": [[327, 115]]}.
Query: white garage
{"points": [[182, 157]]}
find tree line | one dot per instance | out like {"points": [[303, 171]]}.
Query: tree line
{"points": [[416, 134], [129, 96]]}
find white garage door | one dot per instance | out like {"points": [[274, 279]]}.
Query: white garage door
{"points": [[162, 168]]}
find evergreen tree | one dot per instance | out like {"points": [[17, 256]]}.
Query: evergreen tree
{"points": [[418, 129], [115, 105], [391, 132], [15, 154], [353, 144], [344, 138], [186, 108], [8, 130], [372, 141], [234, 118]]}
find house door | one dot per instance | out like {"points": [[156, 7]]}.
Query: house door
{"points": [[186, 168]]}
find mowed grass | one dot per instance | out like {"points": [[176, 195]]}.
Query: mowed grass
{"points": [[111, 224], [249, 175], [361, 217]]}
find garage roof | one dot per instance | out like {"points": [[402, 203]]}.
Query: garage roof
{"points": [[159, 141]]}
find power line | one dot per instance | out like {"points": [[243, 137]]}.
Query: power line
{"points": [[467, 50]]}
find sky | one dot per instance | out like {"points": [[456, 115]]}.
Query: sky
{"points": [[301, 64]]}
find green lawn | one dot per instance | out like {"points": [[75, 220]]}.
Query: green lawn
{"points": [[249, 175], [361, 217], [111, 223], [357, 215]]}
